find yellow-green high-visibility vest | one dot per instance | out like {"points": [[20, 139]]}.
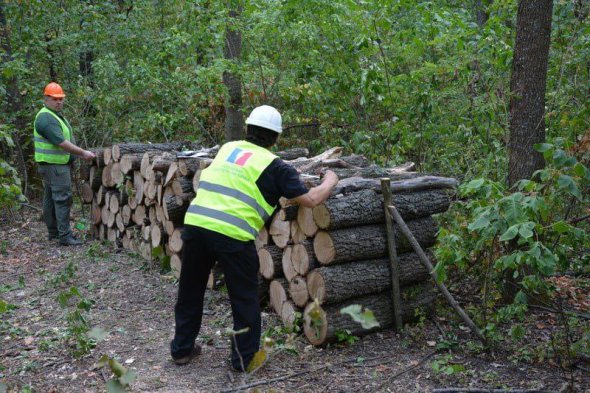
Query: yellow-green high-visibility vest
{"points": [[45, 151], [228, 200]]}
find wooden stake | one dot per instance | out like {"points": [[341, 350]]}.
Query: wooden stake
{"points": [[424, 259], [393, 263]]}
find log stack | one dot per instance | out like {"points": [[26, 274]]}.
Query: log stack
{"points": [[313, 262], [323, 259]]}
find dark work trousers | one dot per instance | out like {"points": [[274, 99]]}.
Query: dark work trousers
{"points": [[239, 262], [57, 199]]}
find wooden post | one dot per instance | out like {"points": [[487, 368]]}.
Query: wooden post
{"points": [[393, 263], [424, 259]]}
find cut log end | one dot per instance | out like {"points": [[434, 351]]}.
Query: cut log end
{"points": [[315, 324], [321, 216], [324, 247], [316, 286]]}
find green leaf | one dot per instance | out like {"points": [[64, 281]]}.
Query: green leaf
{"points": [[510, 233], [580, 170], [97, 333], [521, 297], [526, 230], [365, 317], [114, 386], [542, 147], [128, 378], [117, 368], [480, 223], [561, 227]]}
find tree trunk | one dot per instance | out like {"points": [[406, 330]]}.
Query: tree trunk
{"points": [[234, 120], [320, 324], [352, 184], [332, 284], [366, 207], [270, 258], [369, 241], [527, 87]]}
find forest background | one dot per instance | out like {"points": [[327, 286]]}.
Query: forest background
{"points": [[394, 80]]}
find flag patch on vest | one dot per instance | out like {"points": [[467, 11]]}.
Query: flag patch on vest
{"points": [[239, 156]]}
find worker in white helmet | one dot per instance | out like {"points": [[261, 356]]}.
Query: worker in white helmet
{"points": [[237, 194]]}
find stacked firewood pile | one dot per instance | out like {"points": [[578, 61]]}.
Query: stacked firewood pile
{"points": [[323, 259], [312, 261]]}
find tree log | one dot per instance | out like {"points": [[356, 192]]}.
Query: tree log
{"points": [[134, 148], [306, 221], [366, 207], [291, 154], [278, 294], [352, 184], [95, 178], [175, 207], [288, 315], [320, 324], [280, 231], [287, 265], [86, 192], [297, 235], [298, 291], [369, 241], [190, 165], [130, 162], [175, 241], [270, 258], [332, 284]]}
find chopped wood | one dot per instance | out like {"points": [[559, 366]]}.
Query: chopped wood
{"points": [[353, 184], [175, 241], [86, 192], [270, 258], [297, 235], [298, 291], [278, 294], [287, 265], [306, 221], [288, 314], [320, 323], [332, 284], [366, 207], [369, 241], [279, 231]]}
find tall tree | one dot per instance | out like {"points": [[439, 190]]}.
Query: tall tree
{"points": [[527, 86], [234, 119], [14, 104]]}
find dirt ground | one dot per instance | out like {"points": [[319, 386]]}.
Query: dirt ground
{"points": [[134, 306]]}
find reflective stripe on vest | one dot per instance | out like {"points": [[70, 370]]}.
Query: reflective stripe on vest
{"points": [[228, 200], [45, 151]]}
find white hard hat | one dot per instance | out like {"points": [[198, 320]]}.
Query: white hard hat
{"points": [[266, 116]]}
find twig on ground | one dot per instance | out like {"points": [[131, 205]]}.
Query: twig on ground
{"points": [[292, 375], [551, 310], [407, 370]]}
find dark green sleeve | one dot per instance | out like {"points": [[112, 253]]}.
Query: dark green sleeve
{"points": [[49, 128]]}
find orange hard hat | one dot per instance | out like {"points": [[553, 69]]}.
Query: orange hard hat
{"points": [[53, 90]]}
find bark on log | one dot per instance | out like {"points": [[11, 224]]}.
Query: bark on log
{"points": [[270, 258], [333, 284], [353, 184], [126, 214], [320, 324], [366, 207], [134, 148], [86, 192], [262, 238], [175, 207], [95, 212], [291, 154], [182, 185], [190, 165], [95, 178], [369, 241], [288, 213]]}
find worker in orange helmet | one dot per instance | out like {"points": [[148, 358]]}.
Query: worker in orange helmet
{"points": [[54, 153]]}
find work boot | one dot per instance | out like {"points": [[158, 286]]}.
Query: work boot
{"points": [[196, 351], [70, 241]]}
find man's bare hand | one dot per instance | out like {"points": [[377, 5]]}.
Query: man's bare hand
{"points": [[88, 155]]}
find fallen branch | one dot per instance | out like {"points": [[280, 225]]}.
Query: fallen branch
{"points": [[426, 262]]}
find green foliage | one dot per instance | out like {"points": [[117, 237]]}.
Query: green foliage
{"points": [[78, 328], [10, 184], [525, 231], [445, 365], [123, 377], [345, 337], [362, 315]]}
